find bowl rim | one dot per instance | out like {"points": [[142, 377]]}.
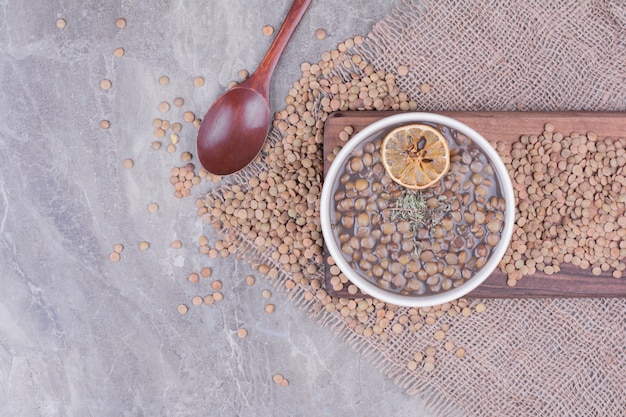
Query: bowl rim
{"points": [[366, 286]]}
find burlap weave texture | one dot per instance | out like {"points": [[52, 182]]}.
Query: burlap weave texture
{"points": [[507, 55], [550, 357]]}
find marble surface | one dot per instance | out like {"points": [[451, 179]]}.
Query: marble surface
{"points": [[82, 336]]}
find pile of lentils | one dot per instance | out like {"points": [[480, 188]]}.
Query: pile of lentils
{"points": [[571, 198], [276, 210]]}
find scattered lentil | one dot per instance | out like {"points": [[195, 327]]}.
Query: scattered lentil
{"points": [[164, 80], [164, 107], [143, 245], [242, 333], [105, 84], [346, 133], [61, 23], [120, 23], [320, 34], [269, 308], [118, 52], [197, 300], [114, 257], [250, 280], [186, 156], [198, 82], [266, 294], [206, 272], [189, 117], [128, 163], [182, 309], [268, 30], [177, 244], [193, 278], [105, 124], [403, 70]]}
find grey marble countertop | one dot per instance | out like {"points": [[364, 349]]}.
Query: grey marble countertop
{"points": [[83, 336]]}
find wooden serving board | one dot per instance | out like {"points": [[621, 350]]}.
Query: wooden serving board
{"points": [[507, 127]]}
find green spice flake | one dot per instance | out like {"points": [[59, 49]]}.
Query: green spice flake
{"points": [[411, 206]]}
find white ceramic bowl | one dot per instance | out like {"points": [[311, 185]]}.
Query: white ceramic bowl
{"points": [[382, 127]]}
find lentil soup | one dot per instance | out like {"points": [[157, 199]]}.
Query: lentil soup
{"points": [[418, 242]]}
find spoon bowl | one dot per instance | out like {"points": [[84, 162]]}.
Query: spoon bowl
{"points": [[228, 138], [234, 129]]}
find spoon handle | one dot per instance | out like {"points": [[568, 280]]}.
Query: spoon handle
{"points": [[260, 80]]}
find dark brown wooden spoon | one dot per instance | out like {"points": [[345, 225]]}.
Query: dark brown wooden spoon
{"points": [[234, 129]]}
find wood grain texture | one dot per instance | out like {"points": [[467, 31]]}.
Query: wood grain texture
{"points": [[507, 127]]}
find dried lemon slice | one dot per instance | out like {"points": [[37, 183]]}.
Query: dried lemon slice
{"points": [[416, 156]]}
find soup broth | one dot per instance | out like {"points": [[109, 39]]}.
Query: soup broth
{"points": [[418, 242]]}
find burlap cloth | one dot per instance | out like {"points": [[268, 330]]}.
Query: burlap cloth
{"points": [[523, 356]]}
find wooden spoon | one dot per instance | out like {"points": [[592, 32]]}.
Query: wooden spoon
{"points": [[234, 129]]}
